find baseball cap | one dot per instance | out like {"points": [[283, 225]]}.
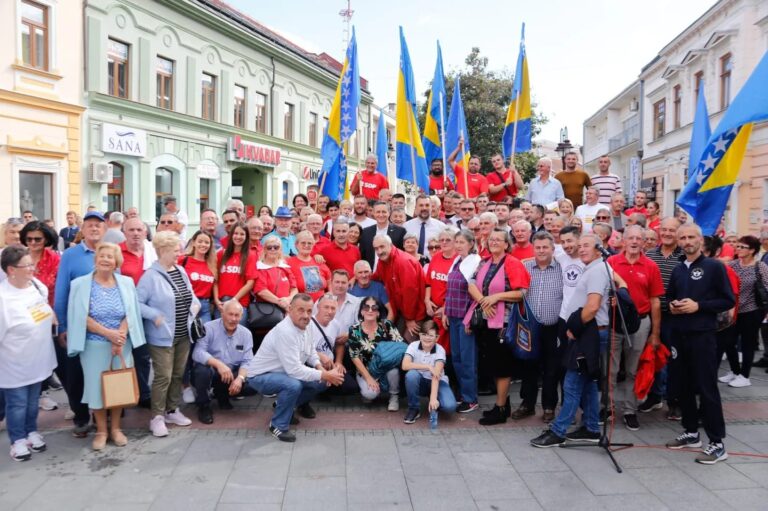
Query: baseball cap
{"points": [[94, 214]]}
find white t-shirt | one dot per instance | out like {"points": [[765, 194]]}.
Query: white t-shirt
{"points": [[587, 214], [594, 280], [427, 358], [27, 355], [332, 331], [572, 270]]}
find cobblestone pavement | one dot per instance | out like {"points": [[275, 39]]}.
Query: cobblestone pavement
{"points": [[355, 456]]}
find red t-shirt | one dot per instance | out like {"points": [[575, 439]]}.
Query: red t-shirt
{"points": [[436, 184], [133, 265], [230, 280], [437, 277], [338, 258], [642, 211], [311, 278], [643, 279], [495, 179], [477, 183], [278, 280], [321, 243], [256, 251], [199, 275], [727, 251], [522, 253], [370, 184]]}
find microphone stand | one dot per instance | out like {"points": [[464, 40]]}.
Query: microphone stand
{"points": [[605, 442]]}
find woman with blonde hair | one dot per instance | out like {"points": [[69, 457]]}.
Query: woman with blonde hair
{"points": [[104, 322], [566, 209]]}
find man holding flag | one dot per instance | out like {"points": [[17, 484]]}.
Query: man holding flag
{"points": [[470, 184], [369, 181]]}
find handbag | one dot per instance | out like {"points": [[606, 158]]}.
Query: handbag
{"points": [[761, 293], [523, 335], [119, 387], [198, 329], [264, 315]]}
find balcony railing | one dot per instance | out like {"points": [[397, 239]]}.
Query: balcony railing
{"points": [[629, 135]]}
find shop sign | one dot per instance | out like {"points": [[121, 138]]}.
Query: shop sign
{"points": [[123, 140], [248, 152], [207, 171], [310, 174]]}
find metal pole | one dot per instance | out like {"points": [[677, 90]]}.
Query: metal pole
{"points": [[464, 164], [442, 144], [410, 139]]}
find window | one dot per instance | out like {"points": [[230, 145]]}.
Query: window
{"points": [[659, 116], [260, 106], [115, 188], [36, 194], [209, 97], [163, 187], [165, 83], [697, 79], [313, 129], [353, 146], [325, 126], [34, 34], [239, 106], [117, 69], [677, 98], [726, 65], [205, 194], [288, 121]]}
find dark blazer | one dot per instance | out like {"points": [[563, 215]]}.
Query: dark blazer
{"points": [[586, 344], [366, 241]]}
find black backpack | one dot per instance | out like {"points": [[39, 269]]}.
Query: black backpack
{"points": [[629, 311]]}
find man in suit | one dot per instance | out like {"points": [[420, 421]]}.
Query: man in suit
{"points": [[383, 226]]}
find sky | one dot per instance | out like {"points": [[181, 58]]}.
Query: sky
{"points": [[581, 53]]}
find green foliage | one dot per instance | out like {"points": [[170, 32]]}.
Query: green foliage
{"points": [[486, 95]]}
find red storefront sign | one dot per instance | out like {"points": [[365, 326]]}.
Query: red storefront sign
{"points": [[248, 152]]}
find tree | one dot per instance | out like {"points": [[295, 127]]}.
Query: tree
{"points": [[486, 95]]}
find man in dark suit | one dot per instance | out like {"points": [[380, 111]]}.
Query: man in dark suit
{"points": [[383, 226]]}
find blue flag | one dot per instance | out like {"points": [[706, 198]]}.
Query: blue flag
{"points": [[381, 145], [517, 131], [454, 130], [434, 122], [699, 137]]}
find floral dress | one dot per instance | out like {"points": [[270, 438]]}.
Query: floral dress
{"points": [[362, 347]]}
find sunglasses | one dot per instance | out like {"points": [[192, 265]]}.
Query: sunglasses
{"points": [[602, 217], [271, 247], [166, 222], [35, 239], [371, 307], [467, 209], [433, 247]]}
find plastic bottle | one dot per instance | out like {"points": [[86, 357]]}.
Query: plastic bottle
{"points": [[433, 420]]}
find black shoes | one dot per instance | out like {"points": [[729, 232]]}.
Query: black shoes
{"points": [[651, 403], [630, 421], [205, 414], [496, 415], [674, 413], [583, 435], [306, 411], [547, 439], [465, 407], [283, 436], [506, 407], [522, 412], [412, 415]]}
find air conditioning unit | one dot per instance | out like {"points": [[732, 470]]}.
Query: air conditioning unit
{"points": [[634, 106], [100, 173]]}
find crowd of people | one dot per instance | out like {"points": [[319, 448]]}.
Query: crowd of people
{"points": [[359, 297]]}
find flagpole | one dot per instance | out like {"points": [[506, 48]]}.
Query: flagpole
{"points": [[442, 143], [514, 129], [413, 149], [463, 154]]}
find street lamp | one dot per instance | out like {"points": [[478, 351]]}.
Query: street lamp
{"points": [[564, 146]]}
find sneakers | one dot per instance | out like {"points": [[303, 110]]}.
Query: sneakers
{"points": [[35, 442], [496, 415], [188, 395], [630, 421], [20, 450], [157, 426], [547, 439], [651, 403], [684, 441], [283, 436], [394, 403], [47, 404], [583, 435], [412, 416], [465, 407], [605, 415], [522, 412], [205, 414], [177, 418], [307, 411], [713, 453], [674, 413], [739, 381], [727, 377]]}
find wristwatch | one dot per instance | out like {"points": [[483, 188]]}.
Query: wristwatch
{"points": [[241, 377]]}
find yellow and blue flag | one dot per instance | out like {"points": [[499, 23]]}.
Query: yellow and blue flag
{"points": [[434, 122], [381, 145], [410, 163], [720, 161], [342, 123], [517, 130], [455, 129], [699, 138]]}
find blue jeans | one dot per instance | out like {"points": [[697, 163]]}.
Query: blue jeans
{"points": [[416, 385], [290, 394], [660, 380], [464, 358], [21, 410], [205, 310], [578, 389]]}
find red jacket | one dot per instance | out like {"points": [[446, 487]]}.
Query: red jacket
{"points": [[403, 278]]}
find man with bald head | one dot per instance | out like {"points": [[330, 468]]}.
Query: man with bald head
{"points": [[220, 360], [544, 189], [369, 182], [364, 286]]}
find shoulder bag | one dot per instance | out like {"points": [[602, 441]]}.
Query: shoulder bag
{"points": [[761, 293], [119, 387], [264, 315], [523, 332], [478, 317]]}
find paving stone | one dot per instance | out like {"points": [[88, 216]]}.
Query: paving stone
{"points": [[315, 493], [559, 490], [439, 493], [632, 502], [77, 491], [508, 505], [490, 474], [474, 441], [323, 456], [756, 472], [721, 476], [426, 455], [691, 499], [745, 499], [523, 456], [594, 468], [259, 473]]}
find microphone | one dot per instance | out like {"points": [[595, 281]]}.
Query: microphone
{"points": [[600, 248]]}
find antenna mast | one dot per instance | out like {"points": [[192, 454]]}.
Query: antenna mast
{"points": [[346, 16]]}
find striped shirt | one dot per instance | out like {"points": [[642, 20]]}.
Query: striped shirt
{"points": [[183, 298], [666, 265], [545, 294], [608, 184]]}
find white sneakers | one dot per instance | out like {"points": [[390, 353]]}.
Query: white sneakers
{"points": [[739, 381], [394, 403], [188, 395], [47, 404], [157, 426], [177, 418], [727, 377], [36, 442], [20, 450]]}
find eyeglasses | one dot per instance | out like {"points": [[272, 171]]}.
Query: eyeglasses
{"points": [[35, 239], [371, 307], [475, 229], [602, 217], [272, 247], [24, 266], [433, 247], [467, 209], [165, 222], [741, 247]]}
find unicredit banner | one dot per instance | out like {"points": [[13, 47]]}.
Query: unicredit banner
{"points": [[256, 154]]}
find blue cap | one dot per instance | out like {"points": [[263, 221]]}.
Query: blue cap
{"points": [[283, 212], [94, 214]]}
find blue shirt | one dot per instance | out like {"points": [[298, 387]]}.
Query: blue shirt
{"points": [[375, 289], [544, 193], [75, 262], [233, 350], [289, 242]]}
